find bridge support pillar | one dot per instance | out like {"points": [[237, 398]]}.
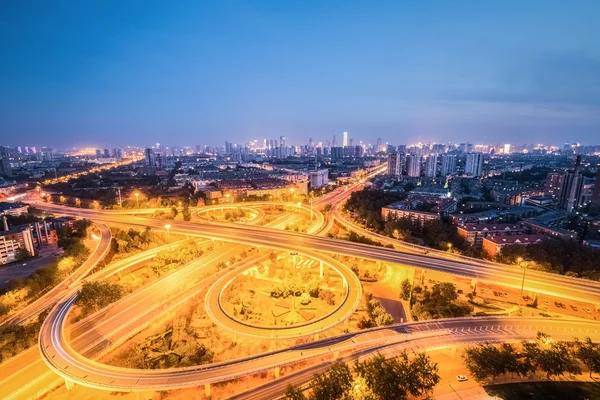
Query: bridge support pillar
{"points": [[336, 355], [69, 384], [276, 372], [320, 269], [207, 390]]}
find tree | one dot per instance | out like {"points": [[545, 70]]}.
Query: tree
{"points": [[399, 377], [334, 384], [96, 295], [22, 254], [202, 355], [294, 393], [405, 289], [589, 354]]}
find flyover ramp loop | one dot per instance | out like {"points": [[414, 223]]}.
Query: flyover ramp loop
{"points": [[70, 365]]}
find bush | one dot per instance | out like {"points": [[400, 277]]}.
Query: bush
{"points": [[96, 295]]}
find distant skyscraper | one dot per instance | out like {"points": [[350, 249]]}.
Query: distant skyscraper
{"points": [[474, 165], [413, 165], [507, 149], [448, 164], [150, 157], [345, 139], [395, 164], [337, 153], [431, 166], [378, 144], [282, 141], [5, 167]]}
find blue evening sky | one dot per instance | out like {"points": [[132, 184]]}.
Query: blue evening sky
{"points": [[197, 72]]}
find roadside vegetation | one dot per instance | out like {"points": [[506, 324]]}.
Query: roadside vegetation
{"points": [[402, 377], [442, 301], [543, 356], [16, 338], [71, 239]]}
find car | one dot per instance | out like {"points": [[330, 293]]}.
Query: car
{"points": [[461, 378], [557, 304], [294, 253], [505, 294], [574, 308], [562, 305], [24, 264], [545, 302], [587, 310], [485, 290]]}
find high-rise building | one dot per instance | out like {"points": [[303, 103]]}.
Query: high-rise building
{"points": [[448, 164], [337, 153], [575, 183], [379, 148], [431, 166], [595, 202], [282, 141], [344, 139], [553, 186], [395, 164], [474, 166], [5, 167], [413, 165], [150, 157], [507, 148]]}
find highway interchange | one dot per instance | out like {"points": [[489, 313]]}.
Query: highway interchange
{"points": [[69, 356]]}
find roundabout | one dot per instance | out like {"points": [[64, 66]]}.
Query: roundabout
{"points": [[284, 315]]}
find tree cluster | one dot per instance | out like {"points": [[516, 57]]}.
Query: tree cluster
{"points": [[377, 316], [440, 302], [377, 378], [554, 358], [557, 256], [366, 205], [96, 295]]}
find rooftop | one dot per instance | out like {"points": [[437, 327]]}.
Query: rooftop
{"points": [[515, 239]]}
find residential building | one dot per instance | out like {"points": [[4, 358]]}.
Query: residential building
{"points": [[13, 239], [448, 164], [595, 201], [5, 166], [413, 165], [15, 209], [319, 178], [395, 164], [150, 157], [493, 245], [431, 166], [474, 233], [474, 165]]}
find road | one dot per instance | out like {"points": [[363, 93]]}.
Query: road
{"points": [[434, 334], [60, 290], [22, 269], [427, 336], [511, 276]]}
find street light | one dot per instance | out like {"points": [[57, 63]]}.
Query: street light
{"points": [[227, 196], [450, 247], [167, 227], [137, 203], [524, 266]]}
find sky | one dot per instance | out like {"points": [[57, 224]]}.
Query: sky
{"points": [[117, 73]]}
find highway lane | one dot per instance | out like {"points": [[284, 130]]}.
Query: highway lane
{"points": [[434, 334], [59, 291], [512, 331], [552, 284]]}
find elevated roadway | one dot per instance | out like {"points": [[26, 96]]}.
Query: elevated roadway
{"points": [[556, 285], [75, 368]]}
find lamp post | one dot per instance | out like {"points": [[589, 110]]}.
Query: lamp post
{"points": [[137, 202], [524, 266], [167, 227], [450, 247], [227, 196]]}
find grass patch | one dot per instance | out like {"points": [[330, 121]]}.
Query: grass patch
{"points": [[545, 390]]}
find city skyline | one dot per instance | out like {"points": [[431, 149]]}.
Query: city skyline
{"points": [[406, 73]]}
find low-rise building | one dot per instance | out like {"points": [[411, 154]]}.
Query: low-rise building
{"points": [[493, 245], [475, 233], [15, 209], [419, 210], [13, 239]]}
